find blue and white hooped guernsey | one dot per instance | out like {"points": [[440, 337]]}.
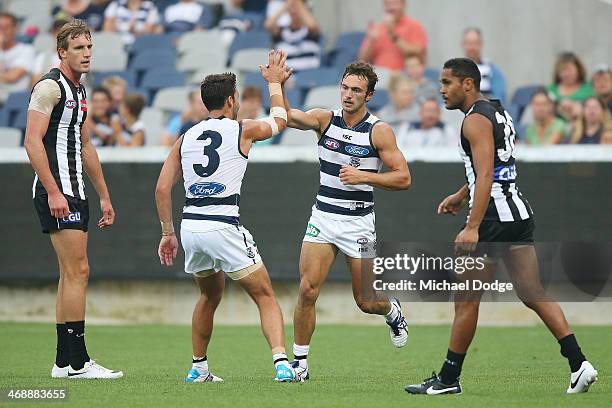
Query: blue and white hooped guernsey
{"points": [[341, 145]]}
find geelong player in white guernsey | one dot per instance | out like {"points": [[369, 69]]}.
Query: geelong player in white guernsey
{"points": [[59, 148], [500, 224], [212, 159], [353, 146]]}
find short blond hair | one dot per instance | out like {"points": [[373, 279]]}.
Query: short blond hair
{"points": [[70, 31], [114, 80]]}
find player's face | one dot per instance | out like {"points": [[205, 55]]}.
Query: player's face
{"points": [[78, 54], [451, 89], [236, 104], [354, 93]]}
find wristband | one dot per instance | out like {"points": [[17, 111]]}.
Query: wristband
{"points": [[167, 228], [275, 89]]}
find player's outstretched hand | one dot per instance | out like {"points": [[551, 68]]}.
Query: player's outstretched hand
{"points": [[168, 247], [452, 204], [108, 213], [275, 71]]}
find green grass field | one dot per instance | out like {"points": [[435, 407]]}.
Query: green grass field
{"points": [[351, 366]]}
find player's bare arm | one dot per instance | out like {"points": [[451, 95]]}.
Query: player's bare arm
{"points": [[396, 178], [479, 132], [170, 174], [91, 164], [275, 73], [455, 202]]}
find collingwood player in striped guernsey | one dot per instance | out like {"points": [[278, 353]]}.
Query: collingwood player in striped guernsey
{"points": [[500, 223], [212, 159], [59, 147], [353, 146]]}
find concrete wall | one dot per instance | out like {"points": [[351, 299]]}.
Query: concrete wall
{"points": [[523, 37]]}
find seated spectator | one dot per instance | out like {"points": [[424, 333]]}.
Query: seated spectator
{"points": [[251, 107], [194, 113], [117, 88], [424, 88], [492, 82], [602, 84], [429, 130], [402, 108], [595, 124], [273, 8], [569, 79], [390, 42], [569, 110], [300, 39], [547, 128], [128, 130], [46, 60], [101, 129], [186, 15], [16, 59], [131, 18], [91, 12]]}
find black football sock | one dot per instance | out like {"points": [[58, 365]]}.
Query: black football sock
{"points": [[62, 354], [76, 344], [451, 369], [571, 350]]}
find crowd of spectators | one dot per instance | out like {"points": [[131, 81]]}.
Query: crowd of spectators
{"points": [[573, 109]]}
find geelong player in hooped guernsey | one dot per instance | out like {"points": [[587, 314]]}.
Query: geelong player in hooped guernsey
{"points": [[212, 159], [500, 225], [353, 146]]}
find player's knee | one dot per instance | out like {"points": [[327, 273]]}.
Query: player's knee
{"points": [[308, 292], [211, 299], [365, 306], [78, 272]]}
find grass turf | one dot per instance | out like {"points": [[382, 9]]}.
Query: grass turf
{"points": [[351, 366]]}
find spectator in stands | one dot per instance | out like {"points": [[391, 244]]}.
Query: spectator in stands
{"points": [[429, 130], [424, 88], [101, 129], [300, 39], [194, 113], [251, 103], [595, 124], [91, 12], [402, 108], [492, 83], [117, 88], [131, 18], [16, 59], [569, 79], [46, 60], [390, 42], [186, 15], [547, 128], [128, 130], [602, 84], [273, 8]]}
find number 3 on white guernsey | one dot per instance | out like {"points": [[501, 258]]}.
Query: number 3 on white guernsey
{"points": [[210, 151]]}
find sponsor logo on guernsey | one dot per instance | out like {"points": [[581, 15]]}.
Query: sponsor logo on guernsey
{"points": [[363, 241], [206, 189], [357, 150], [504, 173], [71, 104], [72, 218], [331, 144], [312, 231]]}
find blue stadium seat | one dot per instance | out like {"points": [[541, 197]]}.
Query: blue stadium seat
{"points": [[346, 49], [150, 59], [318, 77], [522, 96], [433, 74], [129, 76], [21, 119], [341, 58], [15, 103], [3, 118], [141, 91], [515, 113], [162, 5], [249, 39], [153, 41], [162, 77], [380, 99]]}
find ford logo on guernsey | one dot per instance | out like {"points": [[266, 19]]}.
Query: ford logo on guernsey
{"points": [[206, 189], [357, 150], [72, 218], [71, 104], [331, 144]]}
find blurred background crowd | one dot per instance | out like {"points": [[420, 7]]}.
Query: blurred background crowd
{"points": [[150, 56]]}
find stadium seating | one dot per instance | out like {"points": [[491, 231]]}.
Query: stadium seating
{"points": [[250, 39], [162, 77], [129, 76], [248, 60], [326, 97], [107, 60], [26, 8], [171, 99], [203, 58], [107, 41], [433, 74], [522, 98], [44, 43], [296, 137], [202, 41], [153, 120], [345, 49], [380, 99], [312, 78], [16, 103], [153, 58], [10, 137], [153, 41]]}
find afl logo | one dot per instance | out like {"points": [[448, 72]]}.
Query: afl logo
{"points": [[356, 150], [71, 104], [331, 144]]}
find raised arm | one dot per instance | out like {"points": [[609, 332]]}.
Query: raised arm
{"points": [[396, 178]]}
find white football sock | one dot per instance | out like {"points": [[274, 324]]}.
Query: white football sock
{"points": [[393, 313], [301, 351], [280, 359], [200, 366]]}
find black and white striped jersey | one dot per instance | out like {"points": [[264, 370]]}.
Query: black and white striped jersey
{"points": [[340, 145], [62, 141], [506, 203]]}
